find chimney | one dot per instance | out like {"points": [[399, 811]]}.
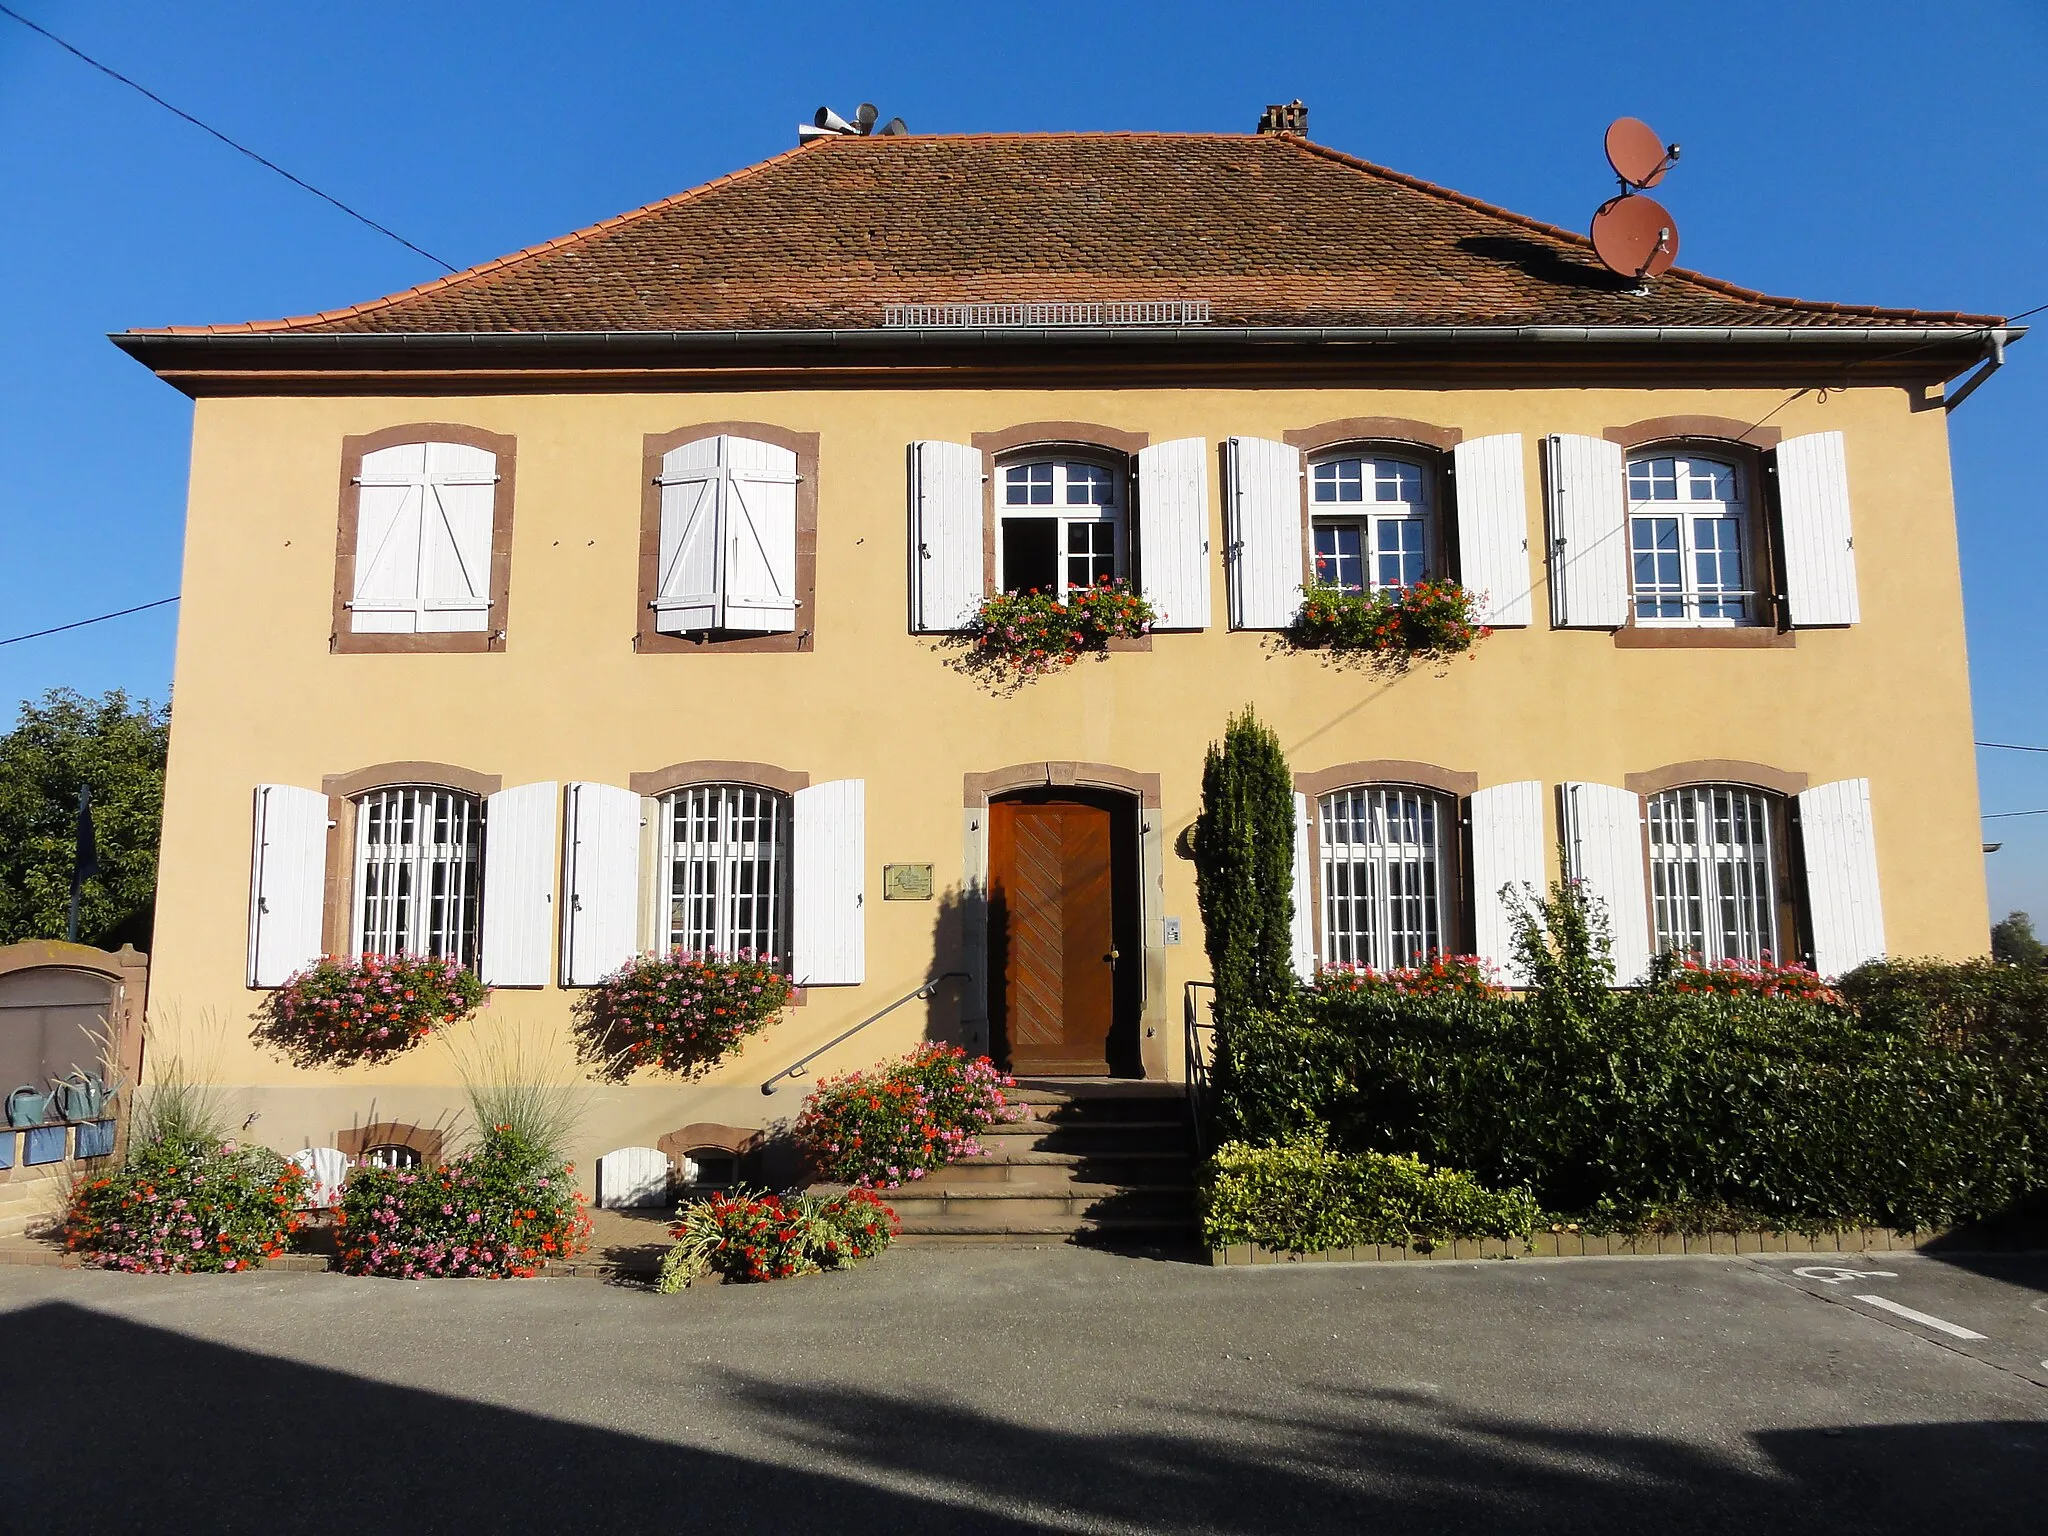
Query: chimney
{"points": [[1291, 118]]}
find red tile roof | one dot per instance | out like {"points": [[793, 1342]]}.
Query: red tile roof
{"points": [[1271, 229]]}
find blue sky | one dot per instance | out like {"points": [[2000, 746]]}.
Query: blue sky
{"points": [[1872, 152]]}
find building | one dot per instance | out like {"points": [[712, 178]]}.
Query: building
{"points": [[602, 594]]}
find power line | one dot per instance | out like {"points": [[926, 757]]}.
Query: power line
{"points": [[81, 623], [115, 74], [1995, 815], [2007, 746]]}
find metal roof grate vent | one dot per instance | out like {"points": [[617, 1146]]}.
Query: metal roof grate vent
{"points": [[996, 316]]}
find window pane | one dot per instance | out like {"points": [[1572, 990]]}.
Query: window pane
{"points": [[418, 859], [1027, 485], [1712, 872], [1383, 868], [1339, 556], [1031, 554], [1340, 480], [728, 858], [1399, 551]]}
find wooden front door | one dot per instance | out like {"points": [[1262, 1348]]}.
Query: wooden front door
{"points": [[1052, 913]]}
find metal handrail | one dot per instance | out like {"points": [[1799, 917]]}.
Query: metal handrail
{"points": [[1198, 1062], [927, 991]]}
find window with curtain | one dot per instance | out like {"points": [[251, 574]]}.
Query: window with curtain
{"points": [[1385, 866], [419, 872], [1691, 549], [728, 870], [1370, 520], [1713, 872]]}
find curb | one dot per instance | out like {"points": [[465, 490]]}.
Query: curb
{"points": [[1581, 1245]]}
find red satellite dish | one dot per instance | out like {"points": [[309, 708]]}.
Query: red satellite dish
{"points": [[1638, 156], [1635, 236]]}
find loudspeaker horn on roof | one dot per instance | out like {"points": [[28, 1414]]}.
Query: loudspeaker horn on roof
{"points": [[895, 128], [864, 116], [832, 122]]}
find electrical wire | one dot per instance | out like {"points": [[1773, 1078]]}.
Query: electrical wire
{"points": [[1996, 815], [81, 623], [115, 74], [2007, 746]]}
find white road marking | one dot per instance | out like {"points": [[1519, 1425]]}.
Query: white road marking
{"points": [[1920, 1317], [1829, 1274]]}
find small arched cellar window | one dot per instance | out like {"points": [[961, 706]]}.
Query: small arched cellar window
{"points": [[390, 1155]]}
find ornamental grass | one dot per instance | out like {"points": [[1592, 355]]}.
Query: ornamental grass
{"points": [[901, 1121], [180, 1206], [1015, 637], [345, 1010], [681, 1012], [1431, 621]]}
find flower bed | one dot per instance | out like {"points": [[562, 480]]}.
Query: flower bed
{"points": [[1430, 621], [1444, 976], [1016, 636], [774, 1237], [342, 1010], [879, 1129], [503, 1210], [178, 1206], [678, 1012], [1742, 978]]}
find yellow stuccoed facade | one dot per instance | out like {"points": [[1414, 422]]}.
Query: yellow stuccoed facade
{"points": [[260, 698]]}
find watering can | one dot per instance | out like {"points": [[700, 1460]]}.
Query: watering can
{"points": [[83, 1095], [27, 1107]]}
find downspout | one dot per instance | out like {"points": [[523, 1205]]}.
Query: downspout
{"points": [[1994, 360]]}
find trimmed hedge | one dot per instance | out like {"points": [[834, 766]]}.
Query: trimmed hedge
{"points": [[1809, 1115], [1305, 1197]]}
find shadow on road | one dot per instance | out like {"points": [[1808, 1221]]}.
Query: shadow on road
{"points": [[120, 1427]]}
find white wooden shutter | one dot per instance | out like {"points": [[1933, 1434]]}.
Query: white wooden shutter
{"points": [[1589, 584], [1507, 851], [600, 928], [828, 929], [686, 590], [1304, 932], [632, 1176], [946, 556], [1603, 835], [287, 882], [1820, 544], [519, 885], [1173, 531], [1493, 527], [1841, 875], [1264, 554], [390, 490], [456, 505], [760, 537]]}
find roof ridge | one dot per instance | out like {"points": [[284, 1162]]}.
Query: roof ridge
{"points": [[1572, 237], [498, 263]]}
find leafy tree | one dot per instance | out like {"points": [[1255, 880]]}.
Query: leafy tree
{"points": [[2013, 941], [1243, 846], [60, 743]]}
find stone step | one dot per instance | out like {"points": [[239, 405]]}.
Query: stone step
{"points": [[1040, 1168], [1090, 1135], [997, 1206], [1149, 1231]]}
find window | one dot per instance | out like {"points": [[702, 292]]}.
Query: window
{"points": [[1060, 525], [1385, 872], [728, 870], [727, 538], [418, 873], [424, 516], [1689, 541], [1713, 872], [1370, 521], [391, 1155]]}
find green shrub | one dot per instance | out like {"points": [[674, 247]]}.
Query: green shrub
{"points": [[1960, 1003], [1304, 1197], [774, 1237], [1243, 847], [178, 1206]]}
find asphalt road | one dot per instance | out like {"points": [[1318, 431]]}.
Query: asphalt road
{"points": [[1041, 1390]]}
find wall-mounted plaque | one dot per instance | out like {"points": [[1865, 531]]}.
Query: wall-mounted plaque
{"points": [[906, 882]]}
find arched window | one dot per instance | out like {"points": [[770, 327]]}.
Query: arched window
{"points": [[419, 851], [728, 869], [1692, 549], [391, 1155], [1386, 860], [1714, 857], [1061, 524], [1370, 518]]}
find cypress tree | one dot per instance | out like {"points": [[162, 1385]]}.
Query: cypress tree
{"points": [[1243, 845]]}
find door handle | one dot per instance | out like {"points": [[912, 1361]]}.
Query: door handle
{"points": [[1112, 956]]}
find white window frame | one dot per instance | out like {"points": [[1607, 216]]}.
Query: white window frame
{"points": [[1689, 592], [1368, 514], [1706, 871], [684, 843], [387, 915], [1090, 515], [1425, 865]]}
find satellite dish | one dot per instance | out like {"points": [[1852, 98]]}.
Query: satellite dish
{"points": [[1638, 156], [1635, 236], [864, 116]]}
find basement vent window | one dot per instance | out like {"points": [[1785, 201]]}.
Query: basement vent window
{"points": [[998, 316]]}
